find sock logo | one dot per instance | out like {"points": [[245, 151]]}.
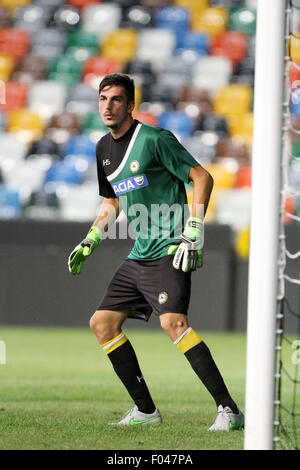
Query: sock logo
{"points": [[162, 297], [140, 378]]}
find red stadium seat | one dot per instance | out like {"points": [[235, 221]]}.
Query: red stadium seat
{"points": [[243, 177], [15, 96], [14, 42], [230, 44], [146, 118], [82, 3], [96, 67]]}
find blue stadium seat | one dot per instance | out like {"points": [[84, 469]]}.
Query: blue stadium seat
{"points": [[175, 18], [193, 40], [10, 204], [63, 173], [80, 145], [177, 122]]}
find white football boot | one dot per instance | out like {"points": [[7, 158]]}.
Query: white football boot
{"points": [[134, 417], [226, 420]]}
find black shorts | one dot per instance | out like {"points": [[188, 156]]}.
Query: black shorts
{"points": [[144, 287]]}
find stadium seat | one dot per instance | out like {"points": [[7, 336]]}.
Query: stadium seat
{"points": [[5, 18], [210, 73], [62, 126], [48, 43], [42, 205], [101, 19], [15, 96], [65, 69], [137, 17], [60, 172], [111, 45], [44, 147], [213, 21], [66, 18], [155, 46], [6, 67], [93, 126], [154, 3], [174, 18], [11, 148], [80, 145], [53, 5], [82, 3], [146, 118], [242, 19], [295, 49], [233, 148], [32, 17], [202, 146], [213, 123], [25, 124], [30, 69], [40, 98], [13, 5], [233, 208], [241, 127], [80, 38], [26, 176], [82, 99], [192, 41], [178, 123], [233, 99], [10, 204], [230, 44], [96, 67], [14, 42], [243, 177], [81, 203]]}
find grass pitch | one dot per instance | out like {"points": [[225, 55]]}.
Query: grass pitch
{"points": [[58, 391]]}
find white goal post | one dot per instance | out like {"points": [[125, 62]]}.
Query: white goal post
{"points": [[265, 209]]}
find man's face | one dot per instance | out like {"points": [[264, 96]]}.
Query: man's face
{"points": [[113, 106]]}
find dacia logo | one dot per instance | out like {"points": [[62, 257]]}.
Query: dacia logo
{"points": [[130, 184]]}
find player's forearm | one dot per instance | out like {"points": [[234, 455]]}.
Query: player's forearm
{"points": [[202, 188], [108, 214]]}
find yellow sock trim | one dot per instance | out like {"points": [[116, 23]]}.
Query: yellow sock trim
{"points": [[114, 343], [187, 340]]}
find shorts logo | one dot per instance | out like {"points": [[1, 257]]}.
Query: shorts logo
{"points": [[162, 297], [129, 184], [134, 166]]}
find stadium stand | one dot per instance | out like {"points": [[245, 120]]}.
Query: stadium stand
{"points": [[193, 64]]}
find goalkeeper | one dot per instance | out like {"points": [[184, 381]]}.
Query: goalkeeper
{"points": [[141, 167]]}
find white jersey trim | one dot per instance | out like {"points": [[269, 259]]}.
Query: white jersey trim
{"points": [[126, 156]]}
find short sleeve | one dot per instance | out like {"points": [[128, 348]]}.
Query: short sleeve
{"points": [[173, 156], [105, 188]]}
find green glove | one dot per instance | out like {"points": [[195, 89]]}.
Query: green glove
{"points": [[188, 247], [84, 249]]}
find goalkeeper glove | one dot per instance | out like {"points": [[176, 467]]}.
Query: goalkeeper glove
{"points": [[84, 249], [188, 247]]}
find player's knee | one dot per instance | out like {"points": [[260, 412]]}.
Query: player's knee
{"points": [[105, 325], [172, 325]]}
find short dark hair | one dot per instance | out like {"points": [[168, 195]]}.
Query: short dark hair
{"points": [[119, 79]]}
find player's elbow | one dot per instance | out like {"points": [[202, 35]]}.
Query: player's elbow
{"points": [[200, 175]]}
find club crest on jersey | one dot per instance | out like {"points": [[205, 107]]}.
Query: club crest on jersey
{"points": [[130, 184], [134, 166], [162, 297]]}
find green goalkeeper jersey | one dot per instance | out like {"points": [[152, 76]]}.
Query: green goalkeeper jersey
{"points": [[147, 169]]}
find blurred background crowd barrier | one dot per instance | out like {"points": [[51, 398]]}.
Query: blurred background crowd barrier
{"points": [[193, 62]]}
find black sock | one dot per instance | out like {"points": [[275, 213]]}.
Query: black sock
{"points": [[203, 364], [125, 364]]}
